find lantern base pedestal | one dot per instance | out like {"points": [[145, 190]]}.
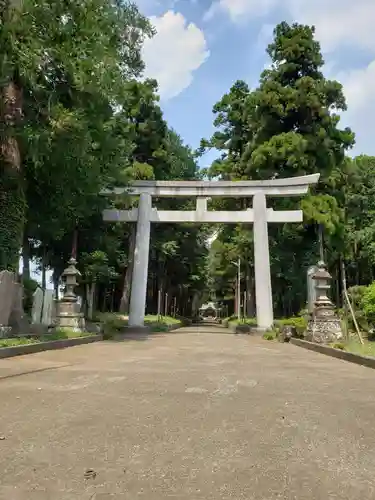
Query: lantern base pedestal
{"points": [[69, 317], [324, 327]]}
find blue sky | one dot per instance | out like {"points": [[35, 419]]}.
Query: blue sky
{"points": [[203, 46]]}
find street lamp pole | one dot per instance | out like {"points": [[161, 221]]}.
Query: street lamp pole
{"points": [[238, 264], [239, 290]]}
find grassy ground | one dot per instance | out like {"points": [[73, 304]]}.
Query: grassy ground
{"points": [[17, 341], [55, 335], [298, 322], [166, 320], [113, 323], [354, 346]]}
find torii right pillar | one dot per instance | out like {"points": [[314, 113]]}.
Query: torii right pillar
{"points": [[263, 286]]}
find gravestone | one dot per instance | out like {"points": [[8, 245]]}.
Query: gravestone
{"points": [[36, 313], [44, 308], [7, 289], [48, 308], [18, 320]]}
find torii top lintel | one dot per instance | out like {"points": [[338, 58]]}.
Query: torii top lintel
{"points": [[292, 186]]}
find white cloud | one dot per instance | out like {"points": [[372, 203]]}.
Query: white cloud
{"points": [[360, 95], [359, 85], [174, 53], [337, 21], [239, 10]]}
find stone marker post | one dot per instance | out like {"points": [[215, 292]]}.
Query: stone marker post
{"points": [[68, 315], [324, 326], [311, 290]]}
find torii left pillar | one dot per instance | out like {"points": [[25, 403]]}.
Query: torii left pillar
{"points": [[263, 287], [140, 266]]}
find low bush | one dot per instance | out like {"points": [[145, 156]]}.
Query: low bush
{"points": [[270, 335], [298, 322], [367, 302], [251, 321], [112, 325], [233, 321]]}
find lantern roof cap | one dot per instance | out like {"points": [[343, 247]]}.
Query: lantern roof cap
{"points": [[322, 272], [71, 270]]}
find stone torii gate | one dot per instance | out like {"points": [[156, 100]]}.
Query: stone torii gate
{"points": [[259, 216]]}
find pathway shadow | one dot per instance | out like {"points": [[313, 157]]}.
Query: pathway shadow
{"points": [[137, 336]]}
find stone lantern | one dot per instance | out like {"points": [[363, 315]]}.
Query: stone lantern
{"points": [[70, 275], [324, 326], [323, 305], [68, 315]]}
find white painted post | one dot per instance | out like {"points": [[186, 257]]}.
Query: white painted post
{"points": [[263, 290], [140, 266]]}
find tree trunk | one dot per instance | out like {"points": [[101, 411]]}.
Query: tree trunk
{"points": [[75, 243], [338, 294], [44, 267], [125, 298], [26, 257], [44, 280], [250, 302], [195, 304], [104, 302], [56, 285], [12, 192], [161, 284], [112, 298]]}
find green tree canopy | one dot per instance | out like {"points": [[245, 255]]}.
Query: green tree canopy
{"points": [[288, 126]]}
